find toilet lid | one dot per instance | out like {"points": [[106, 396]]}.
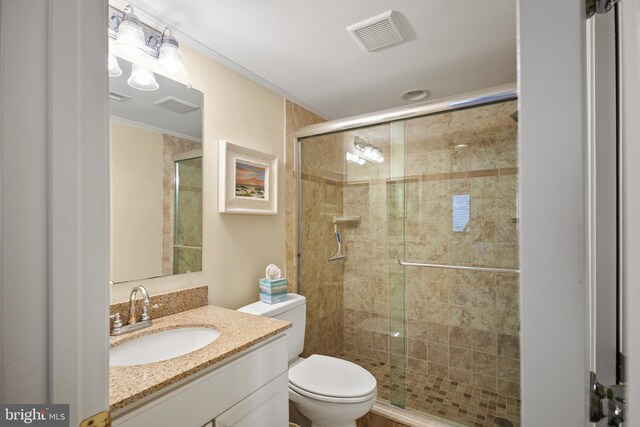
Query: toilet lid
{"points": [[332, 377]]}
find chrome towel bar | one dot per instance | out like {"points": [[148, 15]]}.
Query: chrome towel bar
{"points": [[404, 263]]}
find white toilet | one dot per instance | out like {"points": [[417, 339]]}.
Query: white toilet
{"points": [[331, 392]]}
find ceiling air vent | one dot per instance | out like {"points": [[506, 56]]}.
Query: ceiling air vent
{"points": [[377, 32], [176, 105], [118, 96]]}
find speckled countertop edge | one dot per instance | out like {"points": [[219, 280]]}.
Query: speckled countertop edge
{"points": [[238, 331]]}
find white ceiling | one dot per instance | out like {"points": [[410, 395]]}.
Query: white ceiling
{"points": [[302, 49]]}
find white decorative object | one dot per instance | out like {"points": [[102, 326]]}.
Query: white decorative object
{"points": [[248, 181], [272, 272]]}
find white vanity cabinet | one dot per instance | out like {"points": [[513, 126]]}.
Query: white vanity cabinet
{"points": [[251, 389]]}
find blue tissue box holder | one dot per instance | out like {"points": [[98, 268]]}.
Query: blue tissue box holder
{"points": [[273, 287], [273, 299]]}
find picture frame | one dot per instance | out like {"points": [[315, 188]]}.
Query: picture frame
{"points": [[248, 181]]}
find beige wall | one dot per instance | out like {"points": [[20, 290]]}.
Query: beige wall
{"points": [[236, 248], [136, 180]]}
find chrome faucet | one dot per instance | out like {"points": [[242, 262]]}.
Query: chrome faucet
{"points": [[118, 326], [132, 305]]}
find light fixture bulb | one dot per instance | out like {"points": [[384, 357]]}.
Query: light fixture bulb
{"points": [[130, 38], [361, 161], [170, 57], [114, 67], [142, 79]]}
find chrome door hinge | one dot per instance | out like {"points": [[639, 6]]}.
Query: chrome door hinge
{"points": [[599, 6], [614, 398], [103, 419]]}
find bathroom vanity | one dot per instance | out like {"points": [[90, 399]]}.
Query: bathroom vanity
{"points": [[239, 379]]}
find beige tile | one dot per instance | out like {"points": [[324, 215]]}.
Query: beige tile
{"points": [[508, 346], [416, 364], [416, 329], [508, 388], [363, 421], [483, 318], [438, 353], [508, 369], [484, 363], [438, 333], [485, 382], [363, 338], [460, 358], [460, 375], [380, 341], [417, 349], [459, 337], [440, 371], [458, 316], [484, 341], [376, 420]]}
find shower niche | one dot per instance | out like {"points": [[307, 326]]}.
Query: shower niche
{"points": [[425, 293]]}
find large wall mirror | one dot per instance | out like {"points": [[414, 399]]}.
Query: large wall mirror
{"points": [[156, 179]]}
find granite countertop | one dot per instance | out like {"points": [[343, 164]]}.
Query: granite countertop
{"points": [[238, 331]]}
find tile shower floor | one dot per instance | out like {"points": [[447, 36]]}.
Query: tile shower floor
{"points": [[447, 399]]}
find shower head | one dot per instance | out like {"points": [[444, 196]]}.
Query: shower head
{"points": [[514, 116]]}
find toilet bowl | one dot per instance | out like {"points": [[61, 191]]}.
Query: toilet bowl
{"points": [[330, 392]]}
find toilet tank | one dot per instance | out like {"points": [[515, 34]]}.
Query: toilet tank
{"points": [[292, 310]]}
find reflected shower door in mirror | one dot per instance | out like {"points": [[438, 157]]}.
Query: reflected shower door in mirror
{"points": [[156, 179]]}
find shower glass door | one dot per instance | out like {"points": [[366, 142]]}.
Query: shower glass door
{"points": [[461, 265], [422, 289]]}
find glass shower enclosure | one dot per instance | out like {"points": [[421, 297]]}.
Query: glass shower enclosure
{"points": [[187, 233], [424, 292]]}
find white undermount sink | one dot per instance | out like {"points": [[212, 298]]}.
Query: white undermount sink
{"points": [[161, 345]]}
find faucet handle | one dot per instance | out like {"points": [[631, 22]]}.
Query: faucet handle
{"points": [[117, 321]]}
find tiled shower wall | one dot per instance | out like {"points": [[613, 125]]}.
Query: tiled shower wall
{"points": [[322, 179]]}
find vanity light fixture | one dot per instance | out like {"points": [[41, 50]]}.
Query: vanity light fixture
{"points": [[130, 34], [114, 67], [169, 55], [369, 152], [142, 79], [146, 48]]}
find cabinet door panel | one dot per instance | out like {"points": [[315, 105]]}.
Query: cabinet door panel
{"points": [[267, 407]]}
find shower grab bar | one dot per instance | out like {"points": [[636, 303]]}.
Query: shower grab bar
{"points": [[404, 263]]}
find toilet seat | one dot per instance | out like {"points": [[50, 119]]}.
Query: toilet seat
{"points": [[330, 379]]}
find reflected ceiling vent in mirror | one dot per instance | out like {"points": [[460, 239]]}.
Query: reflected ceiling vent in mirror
{"points": [[118, 96], [380, 31], [176, 105]]}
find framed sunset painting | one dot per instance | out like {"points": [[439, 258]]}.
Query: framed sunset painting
{"points": [[248, 181]]}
